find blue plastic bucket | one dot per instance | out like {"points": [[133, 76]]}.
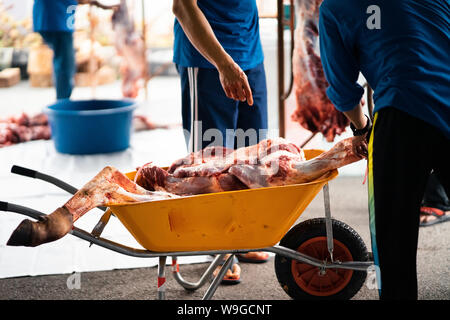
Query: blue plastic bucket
{"points": [[91, 126]]}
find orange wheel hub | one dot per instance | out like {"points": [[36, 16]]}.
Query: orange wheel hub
{"points": [[319, 282]]}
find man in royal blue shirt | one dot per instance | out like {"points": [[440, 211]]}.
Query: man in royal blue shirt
{"points": [[402, 49], [219, 57], [54, 20]]}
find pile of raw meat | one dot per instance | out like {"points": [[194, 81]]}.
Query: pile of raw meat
{"points": [[23, 128], [270, 163], [315, 111], [130, 46]]}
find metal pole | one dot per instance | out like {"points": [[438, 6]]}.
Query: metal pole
{"points": [[328, 222], [203, 279], [280, 31], [370, 101], [162, 278], [308, 140], [144, 38], [213, 287]]}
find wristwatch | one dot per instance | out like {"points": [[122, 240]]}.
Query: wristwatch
{"points": [[363, 131]]}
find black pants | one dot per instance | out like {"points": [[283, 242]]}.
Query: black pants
{"points": [[402, 152], [435, 195]]}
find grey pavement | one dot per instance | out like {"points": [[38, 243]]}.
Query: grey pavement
{"points": [[348, 204]]}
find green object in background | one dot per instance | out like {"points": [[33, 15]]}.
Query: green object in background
{"points": [[287, 15]]}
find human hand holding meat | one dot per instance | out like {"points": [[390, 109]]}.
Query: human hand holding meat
{"points": [[361, 125], [272, 162]]}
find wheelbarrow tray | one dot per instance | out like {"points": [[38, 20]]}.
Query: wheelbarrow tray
{"points": [[232, 220]]}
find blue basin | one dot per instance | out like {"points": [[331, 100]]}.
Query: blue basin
{"points": [[91, 126]]}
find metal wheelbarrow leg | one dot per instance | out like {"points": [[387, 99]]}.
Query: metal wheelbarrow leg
{"points": [[203, 279]]}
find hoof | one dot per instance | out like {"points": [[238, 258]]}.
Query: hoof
{"points": [[22, 235], [51, 228]]}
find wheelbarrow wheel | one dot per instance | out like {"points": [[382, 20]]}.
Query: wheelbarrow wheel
{"points": [[304, 281]]}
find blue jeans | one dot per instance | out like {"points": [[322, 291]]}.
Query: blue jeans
{"points": [[205, 106], [63, 61]]}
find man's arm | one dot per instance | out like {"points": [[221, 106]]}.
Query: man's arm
{"points": [[200, 34], [341, 72], [359, 120], [357, 117]]}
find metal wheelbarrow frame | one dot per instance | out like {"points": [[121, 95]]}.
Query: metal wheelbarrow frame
{"points": [[94, 238]]}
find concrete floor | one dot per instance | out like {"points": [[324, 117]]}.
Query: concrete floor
{"points": [[348, 204]]}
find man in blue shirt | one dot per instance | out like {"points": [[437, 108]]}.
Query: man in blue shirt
{"points": [[54, 20], [218, 53], [402, 49]]}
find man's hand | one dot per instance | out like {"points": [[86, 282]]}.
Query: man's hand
{"points": [[360, 146], [235, 83], [200, 34], [359, 122]]}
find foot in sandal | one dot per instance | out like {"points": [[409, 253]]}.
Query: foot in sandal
{"points": [[431, 216], [253, 257], [233, 275]]}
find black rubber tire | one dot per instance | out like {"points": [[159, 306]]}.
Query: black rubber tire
{"points": [[316, 228]]}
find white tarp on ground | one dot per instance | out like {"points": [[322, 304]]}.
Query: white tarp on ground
{"points": [[72, 254]]}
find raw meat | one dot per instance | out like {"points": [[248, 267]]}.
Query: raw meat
{"points": [[108, 187], [269, 163], [207, 170], [141, 123], [23, 128], [315, 111], [280, 168], [130, 46]]}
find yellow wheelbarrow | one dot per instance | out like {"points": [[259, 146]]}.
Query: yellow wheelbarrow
{"points": [[317, 259]]}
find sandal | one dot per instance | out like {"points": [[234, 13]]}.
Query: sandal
{"points": [[440, 216], [243, 258], [230, 281]]}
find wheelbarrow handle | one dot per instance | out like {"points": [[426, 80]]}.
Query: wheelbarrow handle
{"points": [[11, 207], [45, 177]]}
